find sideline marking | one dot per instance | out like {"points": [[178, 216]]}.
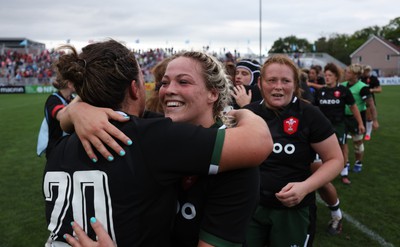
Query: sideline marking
{"points": [[371, 234]]}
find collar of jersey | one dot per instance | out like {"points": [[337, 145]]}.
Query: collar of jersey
{"points": [[217, 123]]}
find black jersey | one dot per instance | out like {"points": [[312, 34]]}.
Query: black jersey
{"points": [[372, 82], [53, 105], [293, 130], [134, 196], [332, 102], [217, 207]]}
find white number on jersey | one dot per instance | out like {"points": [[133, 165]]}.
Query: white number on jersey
{"points": [[288, 148], [96, 180]]}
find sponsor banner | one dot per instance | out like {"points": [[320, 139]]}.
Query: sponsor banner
{"points": [[12, 89], [389, 80], [40, 89]]}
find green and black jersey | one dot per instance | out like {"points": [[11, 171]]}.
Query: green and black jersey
{"points": [[216, 209]]}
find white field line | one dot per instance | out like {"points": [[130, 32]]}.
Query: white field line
{"points": [[371, 234]]}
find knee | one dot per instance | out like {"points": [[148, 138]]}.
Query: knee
{"points": [[358, 148]]}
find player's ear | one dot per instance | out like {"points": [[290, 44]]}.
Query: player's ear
{"points": [[213, 96], [134, 90]]}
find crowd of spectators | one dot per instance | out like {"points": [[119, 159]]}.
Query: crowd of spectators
{"points": [[17, 65], [21, 68]]}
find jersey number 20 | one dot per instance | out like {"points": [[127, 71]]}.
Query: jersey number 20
{"points": [[72, 193]]}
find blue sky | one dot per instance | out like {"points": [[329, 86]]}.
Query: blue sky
{"points": [[229, 24]]}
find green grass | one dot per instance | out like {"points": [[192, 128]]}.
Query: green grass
{"points": [[22, 221], [372, 198]]}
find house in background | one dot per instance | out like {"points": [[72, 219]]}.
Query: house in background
{"points": [[382, 55]]}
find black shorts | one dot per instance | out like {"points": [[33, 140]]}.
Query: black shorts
{"points": [[352, 124]]}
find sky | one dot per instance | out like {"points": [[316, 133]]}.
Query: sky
{"points": [[222, 25]]}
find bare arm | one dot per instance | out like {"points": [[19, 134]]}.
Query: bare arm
{"points": [[315, 85], [377, 89], [247, 144], [63, 116], [92, 126], [374, 113], [204, 244], [332, 158], [357, 116]]}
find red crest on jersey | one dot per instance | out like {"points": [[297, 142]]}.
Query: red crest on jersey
{"points": [[290, 125], [336, 94]]}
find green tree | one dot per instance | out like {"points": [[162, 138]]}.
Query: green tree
{"points": [[365, 33], [337, 45], [391, 32], [290, 44], [340, 46]]}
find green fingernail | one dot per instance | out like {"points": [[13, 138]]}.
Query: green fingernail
{"points": [[65, 236], [110, 158], [127, 117], [122, 153], [72, 223], [94, 160], [93, 220], [129, 142]]}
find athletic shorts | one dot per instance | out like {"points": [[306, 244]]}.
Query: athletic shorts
{"points": [[352, 124], [280, 227], [340, 131]]}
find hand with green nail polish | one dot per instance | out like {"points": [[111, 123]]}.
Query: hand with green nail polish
{"points": [[107, 134], [82, 240]]}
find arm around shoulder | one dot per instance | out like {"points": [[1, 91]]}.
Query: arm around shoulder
{"points": [[93, 128], [246, 145]]}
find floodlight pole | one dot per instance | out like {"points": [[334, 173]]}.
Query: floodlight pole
{"points": [[260, 29]]}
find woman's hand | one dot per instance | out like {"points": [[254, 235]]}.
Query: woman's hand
{"points": [[292, 194], [241, 96], [82, 240], [92, 126]]}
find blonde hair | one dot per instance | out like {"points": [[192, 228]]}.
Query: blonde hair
{"points": [[357, 69], [215, 78]]}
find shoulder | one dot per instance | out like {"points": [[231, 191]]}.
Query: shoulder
{"points": [[151, 114], [53, 97], [344, 89], [254, 106], [362, 84], [310, 111], [375, 80], [150, 121]]}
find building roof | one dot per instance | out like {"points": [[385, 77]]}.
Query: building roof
{"points": [[19, 42], [385, 42]]}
